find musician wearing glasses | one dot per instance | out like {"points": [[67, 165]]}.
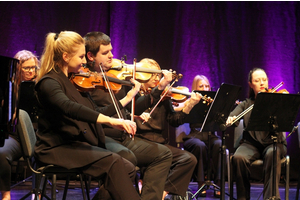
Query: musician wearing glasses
{"points": [[11, 151], [153, 126], [28, 65]]}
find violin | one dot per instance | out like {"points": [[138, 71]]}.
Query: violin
{"points": [[283, 91], [180, 94], [87, 80], [273, 90], [143, 71]]}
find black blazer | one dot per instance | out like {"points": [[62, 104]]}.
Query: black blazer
{"points": [[67, 134]]}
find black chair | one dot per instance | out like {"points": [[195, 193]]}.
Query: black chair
{"points": [[28, 139], [258, 164]]}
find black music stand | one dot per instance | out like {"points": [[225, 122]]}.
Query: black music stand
{"points": [[199, 111], [274, 112], [215, 120], [196, 117]]}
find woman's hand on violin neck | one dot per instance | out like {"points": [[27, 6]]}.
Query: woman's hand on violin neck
{"points": [[195, 98], [191, 102], [166, 80]]}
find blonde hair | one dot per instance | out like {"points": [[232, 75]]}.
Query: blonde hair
{"points": [[152, 63], [55, 45], [23, 56], [197, 79]]}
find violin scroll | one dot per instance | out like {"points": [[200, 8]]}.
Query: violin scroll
{"points": [[207, 100]]}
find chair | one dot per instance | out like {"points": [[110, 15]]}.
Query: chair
{"points": [[183, 130], [238, 135], [28, 139]]}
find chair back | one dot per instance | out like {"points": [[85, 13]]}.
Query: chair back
{"points": [[182, 131], [238, 134], [26, 134]]}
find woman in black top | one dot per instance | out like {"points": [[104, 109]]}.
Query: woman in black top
{"points": [[197, 143], [11, 151], [256, 144], [183, 162], [69, 129]]}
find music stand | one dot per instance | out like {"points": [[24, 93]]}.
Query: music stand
{"points": [[215, 120], [274, 112], [199, 111], [196, 117]]}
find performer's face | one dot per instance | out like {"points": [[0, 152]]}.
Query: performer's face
{"points": [[28, 69], [203, 85], [154, 80], [75, 62], [104, 57], [259, 82]]}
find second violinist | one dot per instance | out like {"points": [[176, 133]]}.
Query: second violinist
{"points": [[256, 144], [154, 157], [152, 128]]}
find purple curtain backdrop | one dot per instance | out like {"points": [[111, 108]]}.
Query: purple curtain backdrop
{"points": [[221, 40]]}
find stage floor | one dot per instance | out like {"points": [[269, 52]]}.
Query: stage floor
{"points": [[74, 192]]}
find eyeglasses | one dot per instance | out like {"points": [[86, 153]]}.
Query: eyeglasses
{"points": [[154, 75], [27, 69]]}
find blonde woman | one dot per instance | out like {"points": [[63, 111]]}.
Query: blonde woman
{"points": [[70, 134]]}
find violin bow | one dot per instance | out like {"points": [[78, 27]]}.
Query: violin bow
{"points": [[251, 107], [133, 99], [112, 95], [161, 98]]}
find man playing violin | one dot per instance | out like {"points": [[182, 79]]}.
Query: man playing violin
{"points": [[256, 144], [154, 157], [152, 128]]}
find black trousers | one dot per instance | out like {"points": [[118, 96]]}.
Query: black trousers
{"points": [[247, 153], [154, 158], [181, 171], [114, 170], [199, 148], [11, 151]]}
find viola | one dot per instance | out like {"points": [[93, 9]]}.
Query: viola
{"points": [[179, 94], [87, 80], [143, 72]]}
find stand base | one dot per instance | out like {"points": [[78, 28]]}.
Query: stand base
{"points": [[273, 198], [206, 183]]}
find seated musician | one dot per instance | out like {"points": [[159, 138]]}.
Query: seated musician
{"points": [[153, 157], [70, 130], [256, 144], [11, 151], [152, 129], [197, 143]]}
